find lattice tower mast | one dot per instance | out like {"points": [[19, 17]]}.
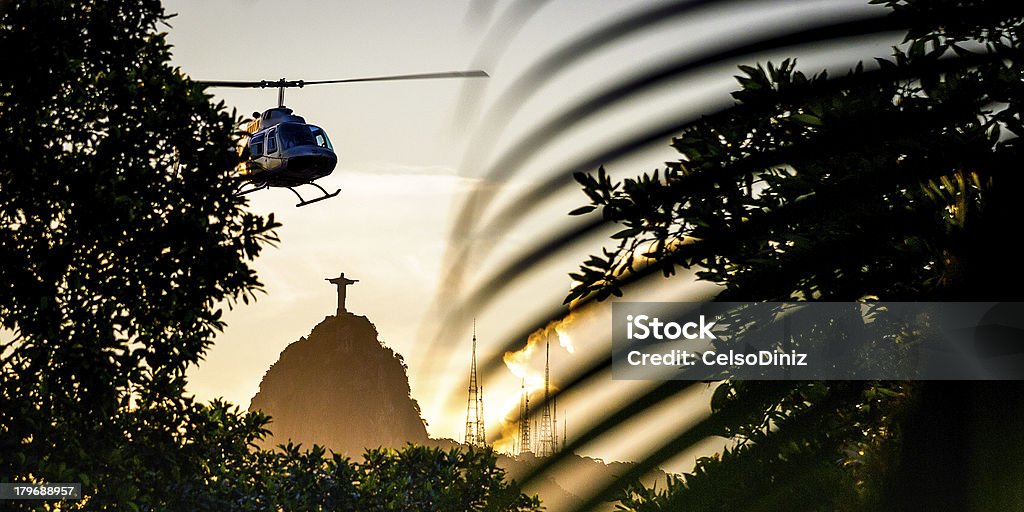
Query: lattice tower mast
{"points": [[524, 420], [554, 424], [545, 443], [475, 435]]}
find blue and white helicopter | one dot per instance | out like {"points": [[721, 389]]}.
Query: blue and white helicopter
{"points": [[283, 150]]}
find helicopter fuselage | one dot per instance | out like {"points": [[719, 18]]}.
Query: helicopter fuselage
{"points": [[285, 151]]}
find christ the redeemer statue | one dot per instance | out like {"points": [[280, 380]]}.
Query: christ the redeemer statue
{"points": [[342, 283]]}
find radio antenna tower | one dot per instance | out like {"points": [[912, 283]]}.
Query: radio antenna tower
{"points": [[545, 444], [554, 424], [565, 428], [475, 435], [524, 420]]}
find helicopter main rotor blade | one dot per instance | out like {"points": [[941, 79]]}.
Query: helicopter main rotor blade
{"points": [[265, 84], [423, 76], [228, 83]]}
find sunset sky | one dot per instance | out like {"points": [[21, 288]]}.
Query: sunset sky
{"points": [[400, 146]]}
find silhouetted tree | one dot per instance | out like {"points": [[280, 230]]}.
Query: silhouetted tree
{"points": [[413, 478], [896, 183], [121, 238]]}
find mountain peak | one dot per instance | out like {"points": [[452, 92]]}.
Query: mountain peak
{"points": [[342, 388]]}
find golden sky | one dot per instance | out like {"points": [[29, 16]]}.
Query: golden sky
{"points": [[400, 147]]}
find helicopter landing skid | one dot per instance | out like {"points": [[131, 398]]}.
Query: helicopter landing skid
{"points": [[303, 202], [254, 188]]}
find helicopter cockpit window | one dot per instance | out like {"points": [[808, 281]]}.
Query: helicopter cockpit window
{"points": [[271, 142], [256, 146], [293, 135], [320, 137]]}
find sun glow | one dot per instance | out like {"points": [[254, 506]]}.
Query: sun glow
{"points": [[531, 373]]}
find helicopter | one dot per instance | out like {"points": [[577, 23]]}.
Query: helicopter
{"points": [[282, 150]]}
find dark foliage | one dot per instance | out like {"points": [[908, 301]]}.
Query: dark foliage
{"points": [[121, 238], [892, 183]]}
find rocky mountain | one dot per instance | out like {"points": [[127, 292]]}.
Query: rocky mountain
{"points": [[341, 388]]}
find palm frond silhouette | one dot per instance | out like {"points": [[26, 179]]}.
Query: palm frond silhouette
{"points": [[896, 180]]}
